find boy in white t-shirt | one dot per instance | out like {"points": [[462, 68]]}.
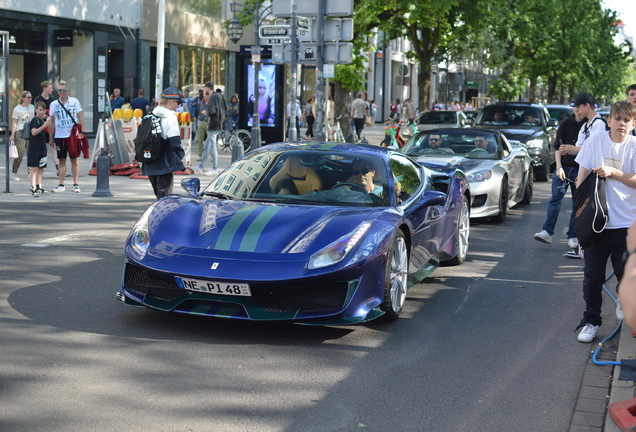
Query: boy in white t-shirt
{"points": [[611, 155]]}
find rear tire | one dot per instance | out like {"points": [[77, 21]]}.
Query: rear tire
{"points": [[395, 278]]}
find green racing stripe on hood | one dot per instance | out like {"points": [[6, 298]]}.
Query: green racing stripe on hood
{"points": [[253, 233], [224, 242]]}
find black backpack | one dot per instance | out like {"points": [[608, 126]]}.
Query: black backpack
{"points": [[149, 145]]}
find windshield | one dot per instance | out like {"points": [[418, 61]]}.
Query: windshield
{"points": [[438, 117], [465, 143], [305, 176], [510, 115]]}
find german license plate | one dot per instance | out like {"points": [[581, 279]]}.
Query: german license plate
{"points": [[214, 287]]}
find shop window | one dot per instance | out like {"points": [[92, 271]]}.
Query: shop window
{"points": [[76, 68], [199, 65]]}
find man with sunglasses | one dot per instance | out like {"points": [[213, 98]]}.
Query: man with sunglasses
{"points": [[363, 174], [65, 112], [435, 144]]}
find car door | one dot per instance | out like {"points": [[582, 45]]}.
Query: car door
{"points": [[427, 227]]}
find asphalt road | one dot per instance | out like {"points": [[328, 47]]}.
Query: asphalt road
{"points": [[485, 346]]}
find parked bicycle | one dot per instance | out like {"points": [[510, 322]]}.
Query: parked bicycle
{"points": [[334, 133], [226, 139]]}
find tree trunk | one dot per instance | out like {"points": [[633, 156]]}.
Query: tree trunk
{"points": [[424, 85], [341, 101], [552, 86]]}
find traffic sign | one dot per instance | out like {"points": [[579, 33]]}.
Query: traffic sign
{"points": [[302, 23], [338, 29], [274, 31], [336, 53]]}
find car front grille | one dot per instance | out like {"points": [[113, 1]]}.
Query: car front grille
{"points": [[330, 296], [310, 298], [140, 282]]}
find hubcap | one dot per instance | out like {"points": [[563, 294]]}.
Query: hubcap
{"points": [[399, 275]]}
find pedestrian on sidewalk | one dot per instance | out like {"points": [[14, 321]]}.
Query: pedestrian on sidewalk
{"points": [[215, 111], [309, 118], [358, 114], [611, 155], [45, 97], [565, 176], [65, 113], [36, 155], [202, 120], [161, 172], [22, 115]]}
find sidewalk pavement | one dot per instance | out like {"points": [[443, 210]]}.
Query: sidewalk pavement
{"points": [[121, 187]]}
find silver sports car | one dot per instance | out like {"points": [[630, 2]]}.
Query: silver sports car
{"points": [[500, 173]]}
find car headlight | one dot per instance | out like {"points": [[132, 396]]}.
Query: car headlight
{"points": [[534, 143], [140, 234], [338, 250], [479, 176]]}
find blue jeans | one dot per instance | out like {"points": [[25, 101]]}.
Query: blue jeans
{"points": [[210, 145], [559, 188]]}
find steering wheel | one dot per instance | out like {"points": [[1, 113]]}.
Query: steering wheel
{"points": [[354, 186], [479, 151]]}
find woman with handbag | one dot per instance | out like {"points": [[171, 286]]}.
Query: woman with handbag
{"points": [[22, 114]]}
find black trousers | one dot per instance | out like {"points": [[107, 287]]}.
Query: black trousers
{"points": [[161, 184], [611, 243], [359, 125], [310, 126]]}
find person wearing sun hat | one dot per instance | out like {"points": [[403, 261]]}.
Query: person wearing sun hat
{"points": [[161, 173]]}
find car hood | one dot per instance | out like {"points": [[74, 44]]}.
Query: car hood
{"points": [[462, 163], [520, 133], [239, 226]]}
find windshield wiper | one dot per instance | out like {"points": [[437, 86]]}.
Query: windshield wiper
{"points": [[218, 195]]}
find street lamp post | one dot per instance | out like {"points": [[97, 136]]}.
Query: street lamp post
{"points": [[235, 32]]}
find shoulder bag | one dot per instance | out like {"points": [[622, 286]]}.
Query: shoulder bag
{"points": [[590, 209]]}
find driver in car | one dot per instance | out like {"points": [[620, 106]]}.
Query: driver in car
{"points": [[363, 174]]}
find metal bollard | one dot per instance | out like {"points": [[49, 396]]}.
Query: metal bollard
{"points": [[237, 150], [364, 140], [102, 175]]}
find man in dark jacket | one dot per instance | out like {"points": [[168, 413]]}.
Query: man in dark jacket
{"points": [[216, 114], [161, 173]]}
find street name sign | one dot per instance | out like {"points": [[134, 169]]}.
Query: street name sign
{"points": [[278, 31]]}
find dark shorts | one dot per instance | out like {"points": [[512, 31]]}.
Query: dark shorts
{"points": [[36, 158], [61, 145]]}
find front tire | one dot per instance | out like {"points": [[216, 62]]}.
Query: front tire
{"points": [[395, 278], [542, 174], [462, 234], [503, 202], [527, 196]]}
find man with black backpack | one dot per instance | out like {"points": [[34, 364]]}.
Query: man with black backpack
{"points": [[161, 171]]}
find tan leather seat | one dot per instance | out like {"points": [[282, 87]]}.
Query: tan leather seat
{"points": [[305, 178]]}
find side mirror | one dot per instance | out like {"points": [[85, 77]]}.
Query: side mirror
{"points": [[553, 122], [469, 122], [433, 198], [192, 185]]}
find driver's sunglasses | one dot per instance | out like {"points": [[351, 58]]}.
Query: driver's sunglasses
{"points": [[480, 141], [364, 171], [433, 139]]}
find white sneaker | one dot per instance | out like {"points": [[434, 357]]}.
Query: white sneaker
{"points": [[60, 188], [588, 333], [543, 236], [14, 177], [197, 170], [619, 311], [211, 172], [573, 243], [76, 189]]}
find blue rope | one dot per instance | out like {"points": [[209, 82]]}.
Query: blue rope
{"points": [[600, 345]]}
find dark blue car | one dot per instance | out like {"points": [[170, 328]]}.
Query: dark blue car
{"points": [[317, 233]]}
